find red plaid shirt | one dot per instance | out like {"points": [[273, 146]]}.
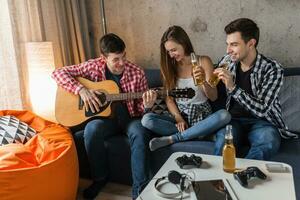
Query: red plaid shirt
{"points": [[133, 80]]}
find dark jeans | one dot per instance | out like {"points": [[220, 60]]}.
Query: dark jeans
{"points": [[98, 130], [263, 137]]}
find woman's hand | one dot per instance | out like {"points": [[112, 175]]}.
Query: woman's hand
{"points": [[199, 73], [181, 125]]}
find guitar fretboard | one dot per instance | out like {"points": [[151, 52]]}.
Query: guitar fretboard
{"points": [[131, 95]]}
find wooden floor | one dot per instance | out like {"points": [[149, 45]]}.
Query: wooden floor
{"points": [[111, 191]]}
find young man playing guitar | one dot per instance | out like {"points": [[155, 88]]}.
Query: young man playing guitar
{"points": [[111, 65]]}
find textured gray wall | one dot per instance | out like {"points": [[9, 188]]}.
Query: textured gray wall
{"points": [[141, 24]]}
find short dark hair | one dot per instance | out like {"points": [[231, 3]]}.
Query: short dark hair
{"points": [[247, 27], [111, 43]]}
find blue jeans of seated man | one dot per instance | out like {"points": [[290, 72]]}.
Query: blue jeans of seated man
{"points": [[165, 125], [263, 137], [98, 130], [139, 138]]}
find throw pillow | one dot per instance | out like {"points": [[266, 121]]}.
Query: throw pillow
{"points": [[12, 130], [160, 107], [289, 98]]}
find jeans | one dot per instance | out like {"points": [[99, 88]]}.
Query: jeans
{"points": [[165, 125], [98, 130], [139, 138], [262, 136]]}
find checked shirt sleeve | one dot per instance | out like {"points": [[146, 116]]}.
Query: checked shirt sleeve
{"points": [[267, 92], [65, 76]]}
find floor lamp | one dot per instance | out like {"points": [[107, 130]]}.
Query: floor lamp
{"points": [[42, 88]]}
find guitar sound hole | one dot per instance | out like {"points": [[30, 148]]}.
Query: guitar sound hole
{"points": [[102, 98], [103, 106]]}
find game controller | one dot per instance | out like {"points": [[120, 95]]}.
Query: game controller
{"points": [[245, 175], [192, 160]]}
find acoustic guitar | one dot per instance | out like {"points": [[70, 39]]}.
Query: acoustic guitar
{"points": [[70, 111]]}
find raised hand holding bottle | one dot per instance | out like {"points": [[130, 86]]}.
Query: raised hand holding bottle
{"points": [[214, 80], [199, 79]]}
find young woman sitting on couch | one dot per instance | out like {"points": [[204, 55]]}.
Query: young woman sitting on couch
{"points": [[190, 118]]}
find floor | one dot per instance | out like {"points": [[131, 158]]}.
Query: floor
{"points": [[112, 191]]}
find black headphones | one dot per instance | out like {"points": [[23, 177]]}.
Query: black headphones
{"points": [[183, 180]]}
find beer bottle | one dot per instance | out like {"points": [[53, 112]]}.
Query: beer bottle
{"points": [[228, 151], [200, 79]]}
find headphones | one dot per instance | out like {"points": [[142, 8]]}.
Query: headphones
{"points": [[174, 177]]}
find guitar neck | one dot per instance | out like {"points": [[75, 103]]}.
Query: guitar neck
{"points": [[130, 95], [124, 96]]}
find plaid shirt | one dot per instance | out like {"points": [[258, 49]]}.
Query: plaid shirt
{"points": [[194, 113], [266, 80], [133, 80]]}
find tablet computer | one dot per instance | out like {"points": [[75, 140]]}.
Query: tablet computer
{"points": [[217, 189]]}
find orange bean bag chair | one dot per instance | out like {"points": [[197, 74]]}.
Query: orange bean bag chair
{"points": [[45, 167]]}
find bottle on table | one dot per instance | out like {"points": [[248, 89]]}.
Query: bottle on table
{"points": [[229, 151]]}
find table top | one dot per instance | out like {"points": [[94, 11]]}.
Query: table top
{"points": [[277, 186]]}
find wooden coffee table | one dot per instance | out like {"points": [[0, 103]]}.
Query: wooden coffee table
{"points": [[278, 186]]}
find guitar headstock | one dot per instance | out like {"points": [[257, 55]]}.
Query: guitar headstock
{"points": [[182, 93]]}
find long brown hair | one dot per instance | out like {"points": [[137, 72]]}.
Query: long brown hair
{"points": [[168, 65]]}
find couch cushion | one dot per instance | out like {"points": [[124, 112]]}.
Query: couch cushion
{"points": [[153, 78], [290, 98], [160, 107], [12, 130]]}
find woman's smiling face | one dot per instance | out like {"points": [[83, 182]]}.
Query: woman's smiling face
{"points": [[175, 50]]}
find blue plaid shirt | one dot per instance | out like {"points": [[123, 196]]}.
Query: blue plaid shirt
{"points": [[266, 80]]}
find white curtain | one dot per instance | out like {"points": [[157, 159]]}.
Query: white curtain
{"points": [[62, 22], [10, 90]]}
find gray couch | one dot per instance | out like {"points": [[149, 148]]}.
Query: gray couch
{"points": [[119, 151]]}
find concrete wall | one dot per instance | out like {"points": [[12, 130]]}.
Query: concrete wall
{"points": [[141, 24]]}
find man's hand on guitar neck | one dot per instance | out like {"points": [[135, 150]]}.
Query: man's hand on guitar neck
{"points": [[90, 99], [149, 98]]}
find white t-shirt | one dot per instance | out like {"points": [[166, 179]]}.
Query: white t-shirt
{"points": [[199, 97]]}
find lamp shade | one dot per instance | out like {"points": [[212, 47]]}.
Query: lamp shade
{"points": [[42, 88]]}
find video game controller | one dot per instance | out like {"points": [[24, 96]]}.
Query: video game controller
{"points": [[245, 175], [192, 160]]}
